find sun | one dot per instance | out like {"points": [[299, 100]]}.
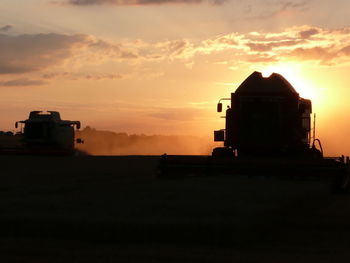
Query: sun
{"points": [[303, 82], [294, 74]]}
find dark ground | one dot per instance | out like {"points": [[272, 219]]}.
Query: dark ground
{"points": [[111, 209]]}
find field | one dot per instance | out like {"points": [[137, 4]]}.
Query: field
{"points": [[113, 209]]}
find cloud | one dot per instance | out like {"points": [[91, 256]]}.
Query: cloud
{"points": [[28, 53], [142, 2], [85, 57], [259, 47], [110, 49], [308, 33], [278, 8], [177, 47], [6, 28], [37, 52], [271, 46], [268, 46], [22, 82], [82, 76], [315, 53], [299, 43], [345, 50], [300, 5]]}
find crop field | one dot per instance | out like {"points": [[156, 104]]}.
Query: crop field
{"points": [[114, 209]]}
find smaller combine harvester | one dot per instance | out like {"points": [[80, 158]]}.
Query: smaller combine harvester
{"points": [[43, 133], [267, 133]]}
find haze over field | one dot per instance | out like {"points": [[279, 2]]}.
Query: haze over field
{"points": [[159, 67], [111, 143]]}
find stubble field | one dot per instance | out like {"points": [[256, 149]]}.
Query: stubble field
{"points": [[113, 209]]}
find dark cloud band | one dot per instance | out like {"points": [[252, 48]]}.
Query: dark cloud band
{"points": [[22, 82], [27, 53]]}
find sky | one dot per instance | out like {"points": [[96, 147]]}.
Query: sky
{"points": [[160, 66]]}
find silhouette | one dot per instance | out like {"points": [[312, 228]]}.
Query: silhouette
{"points": [[113, 208], [268, 132], [44, 133], [267, 117]]}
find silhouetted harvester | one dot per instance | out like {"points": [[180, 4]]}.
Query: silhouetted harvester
{"points": [[268, 132], [44, 133], [267, 118]]}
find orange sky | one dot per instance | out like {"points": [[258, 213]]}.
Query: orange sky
{"points": [[159, 67]]}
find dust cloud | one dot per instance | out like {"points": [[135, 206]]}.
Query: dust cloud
{"points": [[111, 143]]}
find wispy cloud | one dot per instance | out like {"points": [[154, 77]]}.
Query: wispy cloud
{"points": [[305, 34], [276, 9], [81, 76], [142, 2], [22, 82], [6, 28], [314, 53], [86, 57]]}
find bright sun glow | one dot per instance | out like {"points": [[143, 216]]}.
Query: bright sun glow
{"points": [[293, 73]]}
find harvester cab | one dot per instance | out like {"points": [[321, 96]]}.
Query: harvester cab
{"points": [[266, 118], [46, 130]]}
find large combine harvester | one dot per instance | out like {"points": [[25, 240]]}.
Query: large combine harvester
{"points": [[267, 132], [267, 118], [43, 133]]}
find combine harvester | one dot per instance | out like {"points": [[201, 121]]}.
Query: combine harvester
{"points": [[44, 133], [267, 133]]}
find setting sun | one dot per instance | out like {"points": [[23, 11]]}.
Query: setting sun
{"points": [[293, 73]]}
